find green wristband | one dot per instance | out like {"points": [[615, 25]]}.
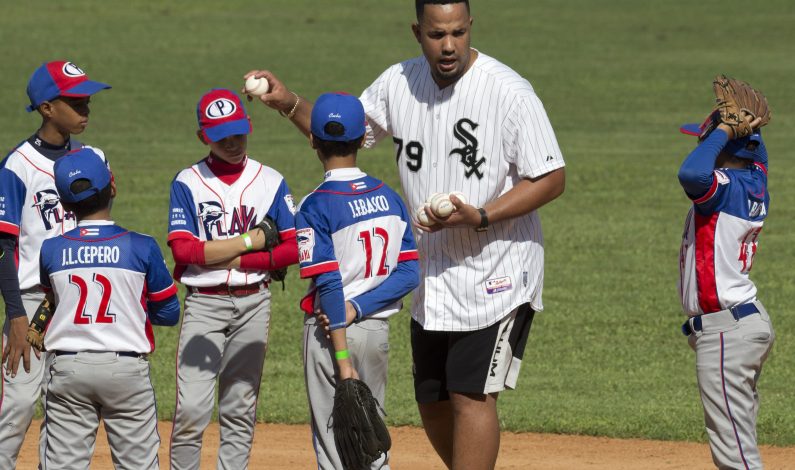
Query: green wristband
{"points": [[340, 355], [247, 240]]}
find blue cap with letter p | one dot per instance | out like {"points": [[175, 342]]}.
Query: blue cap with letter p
{"points": [[343, 109], [80, 164]]}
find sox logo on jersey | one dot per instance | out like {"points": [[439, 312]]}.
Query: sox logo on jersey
{"points": [[469, 152]]}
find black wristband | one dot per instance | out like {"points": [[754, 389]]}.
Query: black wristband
{"points": [[484, 220]]}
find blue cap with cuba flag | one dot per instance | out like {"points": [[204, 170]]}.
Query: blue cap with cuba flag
{"points": [[84, 164], [340, 108], [221, 114], [751, 147], [60, 78]]}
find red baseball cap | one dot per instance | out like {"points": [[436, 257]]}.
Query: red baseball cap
{"points": [[221, 113], [60, 78]]}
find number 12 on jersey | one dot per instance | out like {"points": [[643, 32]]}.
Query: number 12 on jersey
{"points": [[366, 238]]}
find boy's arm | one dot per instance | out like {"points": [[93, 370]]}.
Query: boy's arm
{"points": [[9, 280], [12, 196], [282, 212], [696, 175], [162, 303]]}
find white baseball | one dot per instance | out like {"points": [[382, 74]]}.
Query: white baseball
{"points": [[422, 216], [433, 195], [256, 86], [460, 196], [441, 206]]}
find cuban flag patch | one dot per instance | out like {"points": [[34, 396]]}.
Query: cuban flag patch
{"points": [[358, 185], [500, 284], [89, 232]]}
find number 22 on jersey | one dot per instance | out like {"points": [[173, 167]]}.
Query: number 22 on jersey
{"points": [[101, 286]]}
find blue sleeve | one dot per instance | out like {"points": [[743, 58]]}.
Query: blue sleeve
{"points": [[315, 246], [44, 271], [404, 279], [282, 209], [182, 213], [161, 301], [9, 280], [332, 298], [12, 197], [696, 173]]}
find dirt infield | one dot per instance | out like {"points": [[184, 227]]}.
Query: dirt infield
{"points": [[289, 447]]}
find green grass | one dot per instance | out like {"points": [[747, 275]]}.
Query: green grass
{"points": [[616, 77]]}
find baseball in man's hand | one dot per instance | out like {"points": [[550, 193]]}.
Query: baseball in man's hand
{"points": [[256, 86], [422, 216], [461, 197], [441, 206]]}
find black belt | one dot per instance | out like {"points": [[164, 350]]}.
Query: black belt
{"points": [[119, 353], [740, 311]]}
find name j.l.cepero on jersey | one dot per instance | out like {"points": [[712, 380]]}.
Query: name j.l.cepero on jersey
{"points": [[90, 254], [368, 205]]}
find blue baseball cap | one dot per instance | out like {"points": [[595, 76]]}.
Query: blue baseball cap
{"points": [[60, 78], [85, 164], [342, 108], [221, 113], [751, 147]]}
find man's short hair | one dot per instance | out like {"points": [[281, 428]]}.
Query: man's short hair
{"points": [[420, 5], [333, 148], [90, 205]]}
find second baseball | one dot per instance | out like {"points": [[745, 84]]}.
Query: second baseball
{"points": [[256, 86], [422, 216], [441, 206]]}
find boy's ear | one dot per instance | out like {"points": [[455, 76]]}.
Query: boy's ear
{"points": [[45, 109], [112, 188], [201, 137], [312, 141]]}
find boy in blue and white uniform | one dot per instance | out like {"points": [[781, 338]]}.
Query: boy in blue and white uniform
{"points": [[30, 212], [355, 243], [728, 327], [110, 286]]}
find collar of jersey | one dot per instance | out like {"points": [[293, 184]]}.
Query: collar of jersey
{"points": [[344, 174], [88, 223]]}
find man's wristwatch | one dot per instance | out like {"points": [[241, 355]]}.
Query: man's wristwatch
{"points": [[484, 221]]}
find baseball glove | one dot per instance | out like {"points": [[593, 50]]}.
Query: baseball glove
{"points": [[734, 100], [271, 232], [38, 325], [359, 432]]}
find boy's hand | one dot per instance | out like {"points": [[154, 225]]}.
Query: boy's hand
{"points": [[17, 346], [322, 318]]}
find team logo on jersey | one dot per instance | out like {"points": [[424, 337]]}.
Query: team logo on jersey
{"points": [[72, 70], [500, 284], [358, 186], [469, 152], [48, 204], [306, 244], [722, 178], [220, 108], [212, 216]]}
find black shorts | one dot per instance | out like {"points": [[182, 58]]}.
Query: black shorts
{"points": [[475, 362]]}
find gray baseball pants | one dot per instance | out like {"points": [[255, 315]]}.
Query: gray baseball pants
{"points": [[87, 386], [20, 394], [368, 343], [223, 337], [729, 358]]}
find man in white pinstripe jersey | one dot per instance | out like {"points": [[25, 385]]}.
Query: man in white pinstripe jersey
{"points": [[461, 120]]}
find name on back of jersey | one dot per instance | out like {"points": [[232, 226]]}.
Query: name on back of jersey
{"points": [[368, 205], [92, 254]]}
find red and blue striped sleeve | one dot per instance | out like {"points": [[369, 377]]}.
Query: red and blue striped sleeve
{"points": [[698, 176], [161, 292], [315, 246], [282, 211], [12, 197]]}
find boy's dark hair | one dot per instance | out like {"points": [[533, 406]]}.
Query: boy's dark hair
{"points": [[420, 5], [90, 205], [333, 148]]}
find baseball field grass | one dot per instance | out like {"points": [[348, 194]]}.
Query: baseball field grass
{"points": [[617, 77]]}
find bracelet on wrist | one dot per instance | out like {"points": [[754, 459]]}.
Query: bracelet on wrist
{"points": [[484, 220], [291, 114], [343, 354], [247, 240]]}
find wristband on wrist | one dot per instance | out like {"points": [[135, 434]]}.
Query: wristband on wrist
{"points": [[247, 240], [484, 220], [340, 355], [295, 107]]}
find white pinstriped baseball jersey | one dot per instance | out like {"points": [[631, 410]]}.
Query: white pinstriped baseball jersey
{"points": [[205, 208], [479, 135], [30, 207]]}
